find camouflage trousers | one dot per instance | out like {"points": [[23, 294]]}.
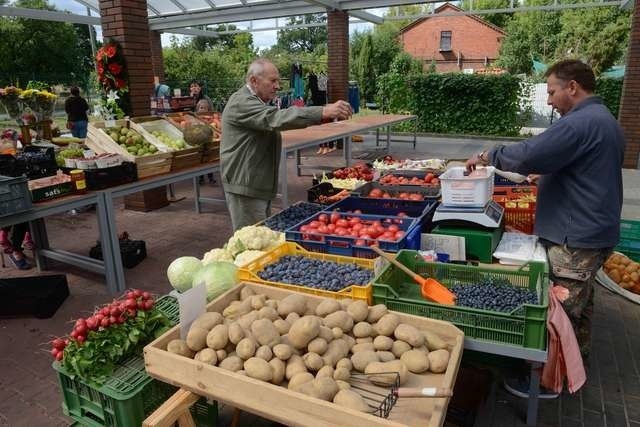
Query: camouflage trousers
{"points": [[575, 269]]}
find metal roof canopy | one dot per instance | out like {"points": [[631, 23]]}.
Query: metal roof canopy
{"points": [[191, 17]]}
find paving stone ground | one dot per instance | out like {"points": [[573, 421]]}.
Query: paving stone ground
{"points": [[30, 394]]}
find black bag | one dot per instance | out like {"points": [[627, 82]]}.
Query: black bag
{"points": [[131, 251], [38, 296]]}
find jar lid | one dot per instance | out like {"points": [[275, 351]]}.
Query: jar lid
{"points": [[76, 171]]}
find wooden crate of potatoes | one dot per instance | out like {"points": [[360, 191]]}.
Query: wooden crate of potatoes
{"points": [[293, 358]]}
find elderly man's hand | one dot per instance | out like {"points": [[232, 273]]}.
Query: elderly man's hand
{"points": [[476, 160], [340, 110]]}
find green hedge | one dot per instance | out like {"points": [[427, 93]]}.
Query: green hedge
{"points": [[469, 103], [611, 91]]}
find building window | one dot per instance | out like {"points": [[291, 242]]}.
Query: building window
{"points": [[445, 41]]}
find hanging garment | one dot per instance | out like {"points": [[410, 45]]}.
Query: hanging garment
{"points": [[318, 97], [297, 83]]}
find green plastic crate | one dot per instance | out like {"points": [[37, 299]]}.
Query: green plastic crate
{"points": [[524, 327], [129, 395], [629, 239]]}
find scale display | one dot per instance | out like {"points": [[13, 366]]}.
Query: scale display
{"points": [[489, 216]]}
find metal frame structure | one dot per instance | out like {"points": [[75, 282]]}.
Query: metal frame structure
{"points": [[191, 17]]}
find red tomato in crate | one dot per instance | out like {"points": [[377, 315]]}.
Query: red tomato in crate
{"points": [[335, 216], [387, 235], [340, 231], [314, 224], [435, 181], [323, 229], [428, 177], [357, 227], [324, 218], [360, 242], [399, 235], [353, 221], [342, 223], [415, 196], [393, 228], [331, 228]]}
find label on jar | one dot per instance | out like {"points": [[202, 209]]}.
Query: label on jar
{"points": [[81, 184]]}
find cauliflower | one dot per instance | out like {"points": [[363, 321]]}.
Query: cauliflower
{"points": [[247, 257], [217, 255], [252, 237]]}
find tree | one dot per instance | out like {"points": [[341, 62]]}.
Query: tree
{"points": [[364, 67], [53, 52], [202, 43], [498, 19], [405, 10], [310, 39]]}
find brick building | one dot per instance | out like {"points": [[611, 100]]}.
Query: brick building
{"points": [[455, 42]]}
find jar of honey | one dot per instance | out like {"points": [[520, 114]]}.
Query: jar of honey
{"points": [[79, 182]]}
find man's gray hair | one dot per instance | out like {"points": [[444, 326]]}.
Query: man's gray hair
{"points": [[257, 68]]}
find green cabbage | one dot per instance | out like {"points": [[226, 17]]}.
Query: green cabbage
{"points": [[181, 271], [218, 276]]}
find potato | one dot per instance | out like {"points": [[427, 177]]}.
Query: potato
{"points": [[273, 303], [343, 385], [409, 334], [336, 350], [197, 338], [438, 361], [237, 309], [258, 301], [295, 365], [358, 310], [422, 348], [326, 388], [246, 348], [208, 320], [313, 361], [231, 363], [325, 371], [433, 341], [317, 345], [341, 374], [382, 343], [218, 337], [345, 363], [376, 312], [339, 319], [246, 320], [361, 359], [303, 331], [292, 317], [264, 331], [277, 368], [399, 348], [416, 361], [362, 329], [366, 340], [293, 303], [221, 355], [299, 379], [352, 400], [379, 369], [246, 293], [264, 352], [345, 302], [385, 356], [336, 332], [367, 346], [180, 347], [258, 368], [326, 333], [387, 324], [349, 340], [207, 356], [327, 306], [282, 351], [282, 326], [236, 333], [268, 313]]}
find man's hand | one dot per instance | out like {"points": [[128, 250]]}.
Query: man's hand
{"points": [[479, 159], [340, 110], [533, 178]]}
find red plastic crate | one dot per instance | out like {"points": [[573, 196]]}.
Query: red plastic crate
{"points": [[519, 203]]}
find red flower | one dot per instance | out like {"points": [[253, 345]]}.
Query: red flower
{"points": [[99, 54], [100, 69], [115, 68], [110, 50], [121, 83]]}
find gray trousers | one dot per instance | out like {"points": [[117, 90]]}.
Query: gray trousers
{"points": [[246, 210]]}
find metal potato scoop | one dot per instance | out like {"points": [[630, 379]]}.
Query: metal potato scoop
{"points": [[430, 288]]}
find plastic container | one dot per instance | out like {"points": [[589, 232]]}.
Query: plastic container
{"points": [[319, 193], [395, 190], [411, 174], [523, 327], [14, 195], [629, 239], [86, 164], [249, 273], [519, 203], [346, 246], [421, 210], [460, 190], [278, 221]]}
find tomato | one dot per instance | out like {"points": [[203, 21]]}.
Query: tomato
{"points": [[386, 195], [323, 218], [353, 221], [357, 227], [365, 237], [399, 235], [435, 181], [376, 193], [403, 196], [360, 242], [304, 228], [373, 232], [342, 223], [341, 231], [416, 196], [393, 228], [387, 235], [314, 224], [331, 228], [323, 229], [335, 216], [428, 177]]}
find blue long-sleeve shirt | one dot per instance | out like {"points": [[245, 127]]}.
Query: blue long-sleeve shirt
{"points": [[580, 192]]}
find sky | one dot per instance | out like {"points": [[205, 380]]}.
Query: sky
{"points": [[261, 39]]}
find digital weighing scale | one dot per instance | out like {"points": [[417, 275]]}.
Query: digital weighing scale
{"points": [[482, 227]]}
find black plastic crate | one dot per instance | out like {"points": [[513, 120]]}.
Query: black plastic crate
{"points": [[394, 190], [132, 252], [324, 189], [38, 296], [99, 179], [38, 161], [14, 195], [10, 166]]}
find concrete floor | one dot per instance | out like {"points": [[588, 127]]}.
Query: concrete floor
{"points": [[30, 394]]}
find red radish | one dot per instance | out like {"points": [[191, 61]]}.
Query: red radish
{"points": [[81, 322], [131, 312], [137, 293], [81, 329], [105, 322], [121, 319], [54, 352], [146, 295], [92, 323], [74, 334], [58, 343], [115, 311], [148, 305], [132, 303], [140, 305], [113, 320], [81, 339], [59, 356], [104, 311]]}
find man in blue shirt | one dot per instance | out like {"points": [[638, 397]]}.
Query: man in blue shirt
{"points": [[579, 160]]}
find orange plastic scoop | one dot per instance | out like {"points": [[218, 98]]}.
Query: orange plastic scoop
{"points": [[431, 289]]}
